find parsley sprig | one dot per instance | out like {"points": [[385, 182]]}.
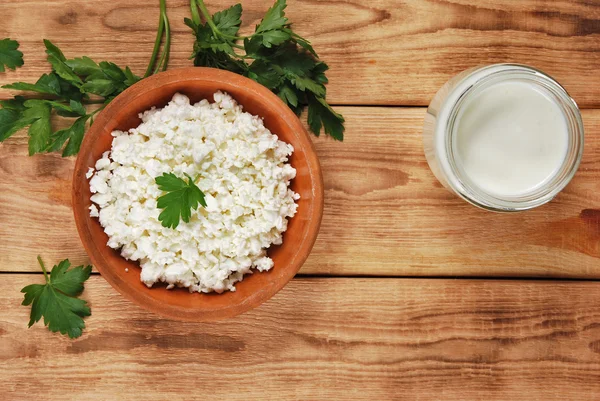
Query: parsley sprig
{"points": [[274, 56], [56, 301], [67, 89], [10, 57], [180, 199]]}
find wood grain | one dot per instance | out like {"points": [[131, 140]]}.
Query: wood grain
{"points": [[380, 52], [385, 214], [320, 339]]}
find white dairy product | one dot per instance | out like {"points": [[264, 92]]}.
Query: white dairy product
{"points": [[244, 174], [510, 138]]}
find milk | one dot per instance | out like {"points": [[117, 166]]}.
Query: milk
{"points": [[510, 138]]}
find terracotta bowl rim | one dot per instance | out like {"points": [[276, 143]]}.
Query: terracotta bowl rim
{"points": [[96, 252]]}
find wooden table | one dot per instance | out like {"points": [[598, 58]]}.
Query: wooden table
{"points": [[409, 293]]}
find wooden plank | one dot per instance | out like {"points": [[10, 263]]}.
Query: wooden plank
{"points": [[385, 213], [381, 52], [320, 339]]}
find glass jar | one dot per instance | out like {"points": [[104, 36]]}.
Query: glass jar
{"points": [[440, 135]]}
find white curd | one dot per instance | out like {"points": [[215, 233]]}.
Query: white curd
{"points": [[244, 173]]}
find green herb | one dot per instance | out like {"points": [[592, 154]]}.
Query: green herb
{"points": [[164, 29], [72, 84], [10, 57], [40, 129], [179, 201], [66, 90], [56, 300], [274, 56]]}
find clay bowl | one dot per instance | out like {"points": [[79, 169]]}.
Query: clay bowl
{"points": [[201, 83]]}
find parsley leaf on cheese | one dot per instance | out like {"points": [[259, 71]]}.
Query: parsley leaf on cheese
{"points": [[10, 57], [56, 300], [274, 56], [180, 199]]}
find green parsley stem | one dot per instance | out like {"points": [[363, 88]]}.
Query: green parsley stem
{"points": [[41, 262], [99, 109], [66, 102], [164, 59], [93, 113], [159, 35], [208, 18], [195, 14], [97, 101]]}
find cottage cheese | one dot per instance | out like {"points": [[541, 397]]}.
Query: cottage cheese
{"points": [[244, 174]]}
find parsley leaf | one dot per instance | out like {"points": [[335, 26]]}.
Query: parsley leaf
{"points": [[57, 59], [83, 66], [274, 18], [130, 77], [100, 86], [181, 198], [10, 57], [321, 114], [47, 84], [271, 38], [265, 74], [15, 104], [53, 51], [305, 44], [39, 132], [288, 95], [274, 56], [12, 121], [77, 107], [74, 136], [228, 21], [56, 300]]}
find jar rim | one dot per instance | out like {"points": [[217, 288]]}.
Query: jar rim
{"points": [[488, 76]]}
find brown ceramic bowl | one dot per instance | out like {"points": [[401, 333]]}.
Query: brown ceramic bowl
{"points": [[197, 84]]}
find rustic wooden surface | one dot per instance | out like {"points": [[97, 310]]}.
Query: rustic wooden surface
{"points": [[380, 51], [385, 213], [327, 337], [321, 339]]}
